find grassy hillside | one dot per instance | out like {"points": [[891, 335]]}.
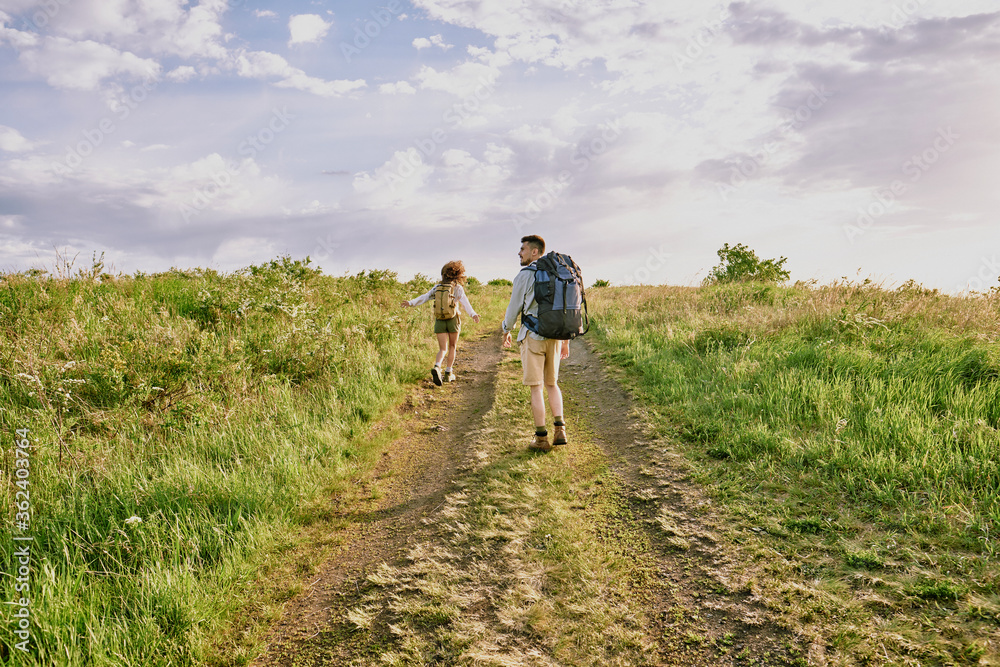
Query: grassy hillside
{"points": [[188, 427], [183, 425], [856, 431]]}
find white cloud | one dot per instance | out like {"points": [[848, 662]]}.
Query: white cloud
{"points": [[11, 221], [265, 14], [421, 43], [65, 63], [182, 74], [95, 43], [443, 191], [307, 29], [398, 88], [151, 26], [634, 41], [13, 141], [19, 39], [265, 65], [210, 188], [462, 80], [399, 178], [198, 33], [537, 135], [313, 208]]}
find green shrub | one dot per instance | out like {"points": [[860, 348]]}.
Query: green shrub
{"points": [[739, 264]]}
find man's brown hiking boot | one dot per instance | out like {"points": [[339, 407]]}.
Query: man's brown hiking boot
{"points": [[559, 435], [541, 444]]}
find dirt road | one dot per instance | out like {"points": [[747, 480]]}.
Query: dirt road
{"points": [[698, 609]]}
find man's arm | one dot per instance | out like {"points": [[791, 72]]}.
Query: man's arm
{"points": [[517, 293]]}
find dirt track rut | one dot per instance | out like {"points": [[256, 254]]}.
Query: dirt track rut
{"points": [[699, 611]]}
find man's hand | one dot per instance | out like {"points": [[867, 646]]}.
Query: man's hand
{"points": [[564, 352], [506, 340], [406, 304], [475, 318]]}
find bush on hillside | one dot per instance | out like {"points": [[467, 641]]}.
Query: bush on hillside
{"points": [[740, 264], [472, 285]]}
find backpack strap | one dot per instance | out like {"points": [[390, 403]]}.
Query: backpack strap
{"points": [[530, 322]]}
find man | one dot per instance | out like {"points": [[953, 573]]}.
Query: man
{"points": [[539, 356]]}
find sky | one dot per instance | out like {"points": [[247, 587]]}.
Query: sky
{"points": [[858, 139]]}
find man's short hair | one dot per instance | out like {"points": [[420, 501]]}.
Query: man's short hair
{"points": [[535, 241]]}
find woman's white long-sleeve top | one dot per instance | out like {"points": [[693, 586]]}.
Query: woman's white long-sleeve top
{"points": [[460, 296]]}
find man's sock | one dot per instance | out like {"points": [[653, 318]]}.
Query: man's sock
{"points": [[541, 430], [560, 422]]}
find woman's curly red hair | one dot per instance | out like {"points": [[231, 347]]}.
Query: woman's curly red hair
{"points": [[453, 272]]}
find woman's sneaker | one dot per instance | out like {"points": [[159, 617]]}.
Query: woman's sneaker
{"points": [[436, 375], [450, 378]]}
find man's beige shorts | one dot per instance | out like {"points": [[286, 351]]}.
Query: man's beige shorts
{"points": [[540, 360]]}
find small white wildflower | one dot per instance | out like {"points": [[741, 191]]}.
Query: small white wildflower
{"points": [[132, 520]]}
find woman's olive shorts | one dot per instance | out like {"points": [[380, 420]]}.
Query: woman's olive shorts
{"points": [[454, 325]]}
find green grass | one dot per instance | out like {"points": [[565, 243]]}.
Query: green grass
{"points": [[187, 426], [859, 425], [184, 426]]}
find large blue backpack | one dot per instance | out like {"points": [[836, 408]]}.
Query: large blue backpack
{"points": [[562, 304]]}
